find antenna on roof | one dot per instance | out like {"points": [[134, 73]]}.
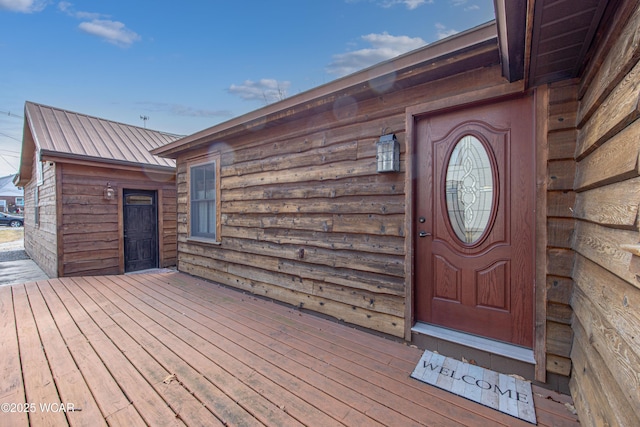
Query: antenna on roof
{"points": [[144, 119]]}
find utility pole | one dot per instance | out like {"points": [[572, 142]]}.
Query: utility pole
{"points": [[144, 119]]}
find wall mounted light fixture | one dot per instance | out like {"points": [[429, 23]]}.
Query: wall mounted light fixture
{"points": [[388, 157], [109, 192]]}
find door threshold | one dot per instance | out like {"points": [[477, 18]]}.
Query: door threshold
{"points": [[486, 345], [151, 271]]}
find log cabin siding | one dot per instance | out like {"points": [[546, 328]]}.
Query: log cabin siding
{"points": [[40, 234], [605, 383], [90, 226], [319, 229], [307, 220]]}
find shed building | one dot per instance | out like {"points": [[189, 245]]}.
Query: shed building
{"points": [[96, 201]]}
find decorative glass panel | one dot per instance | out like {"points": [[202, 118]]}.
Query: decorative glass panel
{"points": [[469, 189]]}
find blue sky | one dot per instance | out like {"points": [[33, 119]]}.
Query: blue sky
{"points": [[192, 64]]}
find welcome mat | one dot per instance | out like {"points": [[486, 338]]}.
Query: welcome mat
{"points": [[498, 391]]}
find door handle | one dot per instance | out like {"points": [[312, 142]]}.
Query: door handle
{"points": [[424, 234]]}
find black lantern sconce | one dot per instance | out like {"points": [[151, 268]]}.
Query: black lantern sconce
{"points": [[388, 157], [109, 192]]}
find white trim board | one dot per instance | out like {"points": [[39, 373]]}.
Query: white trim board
{"points": [[490, 346], [501, 392]]}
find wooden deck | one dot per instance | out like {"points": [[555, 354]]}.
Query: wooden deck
{"points": [[170, 349]]}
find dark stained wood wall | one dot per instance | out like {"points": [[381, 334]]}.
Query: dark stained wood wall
{"points": [[605, 380], [89, 230], [40, 237]]}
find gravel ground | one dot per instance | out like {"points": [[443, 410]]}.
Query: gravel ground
{"points": [[16, 266], [13, 251], [13, 255]]}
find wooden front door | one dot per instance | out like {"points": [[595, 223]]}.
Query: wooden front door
{"points": [[475, 199], [140, 230]]}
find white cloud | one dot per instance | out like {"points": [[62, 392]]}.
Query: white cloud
{"points": [[24, 6], [383, 46], [111, 31], [100, 25], [265, 90], [64, 6], [67, 8], [444, 32], [410, 4], [460, 3]]}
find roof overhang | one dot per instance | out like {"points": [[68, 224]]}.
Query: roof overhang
{"points": [[560, 37], [511, 19], [55, 156], [26, 156], [544, 41]]}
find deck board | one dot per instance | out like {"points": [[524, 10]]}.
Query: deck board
{"points": [[300, 358], [173, 393], [70, 383], [171, 349], [373, 358], [112, 402], [11, 386], [229, 401], [229, 356], [151, 406], [266, 345], [38, 380]]}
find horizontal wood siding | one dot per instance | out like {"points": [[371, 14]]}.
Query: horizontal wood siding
{"points": [[90, 225], [40, 236], [307, 220], [605, 382], [168, 232]]}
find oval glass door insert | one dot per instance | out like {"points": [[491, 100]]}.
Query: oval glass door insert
{"points": [[469, 189]]}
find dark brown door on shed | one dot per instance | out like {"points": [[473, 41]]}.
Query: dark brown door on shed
{"points": [[140, 230], [475, 216]]}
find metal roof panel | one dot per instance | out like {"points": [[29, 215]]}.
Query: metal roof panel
{"points": [[77, 135]]}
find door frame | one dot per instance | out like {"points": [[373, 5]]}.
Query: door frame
{"points": [[471, 99], [157, 194]]}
